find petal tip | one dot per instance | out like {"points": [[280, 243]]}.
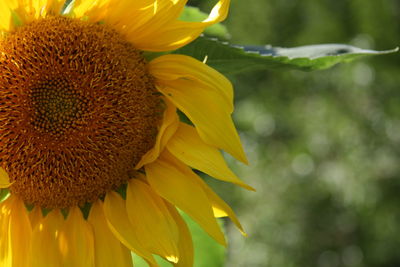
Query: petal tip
{"points": [[243, 158], [248, 187]]}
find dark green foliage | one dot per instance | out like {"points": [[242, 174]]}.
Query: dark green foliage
{"points": [[324, 146]]}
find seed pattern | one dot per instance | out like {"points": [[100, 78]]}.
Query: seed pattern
{"points": [[78, 110], [57, 106]]}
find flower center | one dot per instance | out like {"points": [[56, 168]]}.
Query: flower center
{"points": [[78, 110], [56, 106]]}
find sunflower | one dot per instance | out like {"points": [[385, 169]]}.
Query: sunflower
{"points": [[94, 159]]}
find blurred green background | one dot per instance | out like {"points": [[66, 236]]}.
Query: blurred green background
{"points": [[324, 146]]}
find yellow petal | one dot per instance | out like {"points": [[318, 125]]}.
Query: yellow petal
{"points": [[220, 208], [45, 244], [49, 7], [148, 14], [163, 32], [102, 10], [36, 9], [154, 225], [174, 67], [122, 11], [25, 11], [21, 232], [108, 250], [178, 184], [16, 234], [187, 146], [185, 245], [118, 222], [156, 26], [76, 241], [94, 11], [5, 240], [168, 128], [208, 104], [6, 22], [35, 216], [4, 178]]}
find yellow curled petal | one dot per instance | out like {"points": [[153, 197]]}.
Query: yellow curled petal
{"points": [[45, 244], [16, 234], [185, 245], [207, 104], [163, 32], [154, 225], [173, 67], [108, 250], [76, 241], [167, 129], [178, 184], [188, 147], [118, 222], [4, 179]]}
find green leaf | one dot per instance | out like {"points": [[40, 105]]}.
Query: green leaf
{"points": [[194, 14], [207, 252], [229, 59]]}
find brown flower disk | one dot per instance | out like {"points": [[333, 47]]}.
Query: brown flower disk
{"points": [[78, 110]]}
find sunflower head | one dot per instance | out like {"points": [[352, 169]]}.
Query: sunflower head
{"points": [[87, 123], [82, 110]]}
